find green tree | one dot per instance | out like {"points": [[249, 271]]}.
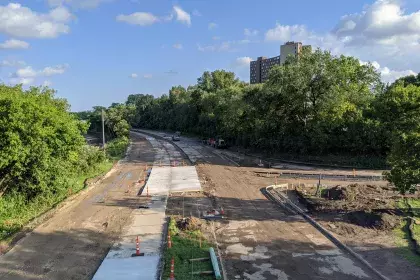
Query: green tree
{"points": [[405, 162], [399, 111], [40, 141]]}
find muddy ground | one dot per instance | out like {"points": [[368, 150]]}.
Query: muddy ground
{"points": [[72, 244]]}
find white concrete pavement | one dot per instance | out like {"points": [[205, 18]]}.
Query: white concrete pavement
{"points": [[148, 224]]}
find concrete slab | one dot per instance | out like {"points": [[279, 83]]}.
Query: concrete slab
{"points": [[148, 223], [185, 178], [139, 268]]}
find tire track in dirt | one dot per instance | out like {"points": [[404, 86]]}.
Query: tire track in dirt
{"points": [[72, 244], [261, 241]]}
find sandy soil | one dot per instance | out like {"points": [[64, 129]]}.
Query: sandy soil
{"points": [[72, 244]]}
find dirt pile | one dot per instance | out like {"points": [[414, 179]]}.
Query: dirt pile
{"points": [[362, 205], [189, 224], [383, 221], [350, 198]]}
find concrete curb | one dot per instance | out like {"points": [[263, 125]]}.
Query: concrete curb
{"points": [[327, 234]]}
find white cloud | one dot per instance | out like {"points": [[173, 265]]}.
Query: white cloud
{"points": [[388, 75], [196, 13], [241, 62], [12, 63], [27, 74], [133, 75], [23, 81], [178, 46], [216, 38], [138, 18], [19, 21], [56, 70], [213, 25], [382, 32], [14, 44], [285, 33], [61, 14], [250, 32], [182, 15], [383, 22], [78, 4], [147, 76]]}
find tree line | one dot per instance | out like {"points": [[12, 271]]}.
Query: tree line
{"points": [[44, 156], [316, 104]]}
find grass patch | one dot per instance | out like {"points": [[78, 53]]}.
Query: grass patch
{"points": [[16, 212], [402, 232], [403, 243], [186, 246]]}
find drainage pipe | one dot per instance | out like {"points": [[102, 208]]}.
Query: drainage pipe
{"points": [[215, 263]]}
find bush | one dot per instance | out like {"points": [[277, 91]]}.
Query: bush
{"points": [[117, 147], [89, 158]]}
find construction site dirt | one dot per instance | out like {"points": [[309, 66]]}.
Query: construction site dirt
{"points": [[363, 217], [73, 242], [258, 240]]}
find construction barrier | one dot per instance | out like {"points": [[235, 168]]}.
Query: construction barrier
{"points": [[137, 254], [172, 275]]}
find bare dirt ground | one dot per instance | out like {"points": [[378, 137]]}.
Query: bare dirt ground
{"points": [[363, 217], [72, 244], [261, 241]]}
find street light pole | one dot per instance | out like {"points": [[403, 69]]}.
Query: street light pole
{"points": [[103, 130]]}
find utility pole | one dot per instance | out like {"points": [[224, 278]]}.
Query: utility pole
{"points": [[103, 130]]}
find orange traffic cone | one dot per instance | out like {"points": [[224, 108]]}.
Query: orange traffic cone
{"points": [[169, 241], [172, 275], [137, 254]]}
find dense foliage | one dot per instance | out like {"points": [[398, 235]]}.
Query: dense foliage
{"points": [[317, 104], [41, 142], [43, 154]]}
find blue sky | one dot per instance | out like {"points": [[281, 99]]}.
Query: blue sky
{"points": [[95, 52]]}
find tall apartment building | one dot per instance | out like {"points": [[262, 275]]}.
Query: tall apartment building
{"points": [[259, 68]]}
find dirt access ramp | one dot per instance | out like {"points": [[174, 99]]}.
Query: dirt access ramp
{"points": [[261, 241], [72, 244]]}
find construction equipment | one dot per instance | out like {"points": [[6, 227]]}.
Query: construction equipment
{"points": [[214, 214], [217, 143]]}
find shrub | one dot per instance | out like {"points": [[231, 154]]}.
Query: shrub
{"points": [[117, 147]]}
